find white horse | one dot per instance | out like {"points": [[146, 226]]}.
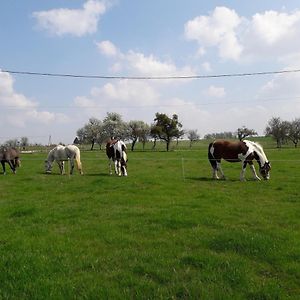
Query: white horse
{"points": [[60, 154]]}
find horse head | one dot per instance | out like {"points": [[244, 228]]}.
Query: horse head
{"points": [[48, 166], [265, 170]]}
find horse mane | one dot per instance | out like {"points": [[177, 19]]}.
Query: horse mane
{"points": [[260, 151]]}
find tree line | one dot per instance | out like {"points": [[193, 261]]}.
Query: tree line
{"points": [[167, 129], [163, 128]]}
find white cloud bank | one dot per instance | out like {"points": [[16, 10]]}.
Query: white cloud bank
{"points": [[18, 110], [77, 22], [266, 35]]}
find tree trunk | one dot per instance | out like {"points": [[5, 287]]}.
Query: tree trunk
{"points": [[93, 143], [133, 144]]}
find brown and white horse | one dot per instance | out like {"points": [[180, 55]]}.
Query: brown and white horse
{"points": [[10, 156], [116, 152], [238, 151]]}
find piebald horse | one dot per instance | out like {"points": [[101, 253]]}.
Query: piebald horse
{"points": [[60, 154], [239, 151], [10, 156], [116, 152]]}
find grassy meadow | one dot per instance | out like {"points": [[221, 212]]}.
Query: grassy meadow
{"points": [[167, 231]]}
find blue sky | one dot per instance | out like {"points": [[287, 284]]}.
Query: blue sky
{"points": [[146, 38]]}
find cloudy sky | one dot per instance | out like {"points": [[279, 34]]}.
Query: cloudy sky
{"points": [[146, 39]]}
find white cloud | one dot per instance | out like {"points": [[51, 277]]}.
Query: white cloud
{"points": [[19, 110], [218, 29], [76, 22], [269, 35], [107, 48], [271, 26], [215, 92], [139, 64], [206, 66]]}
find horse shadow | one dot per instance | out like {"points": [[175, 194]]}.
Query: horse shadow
{"points": [[209, 179]]}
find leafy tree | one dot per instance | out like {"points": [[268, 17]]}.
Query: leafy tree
{"points": [[114, 126], [166, 128], [138, 130], [90, 132], [193, 136], [244, 132]]}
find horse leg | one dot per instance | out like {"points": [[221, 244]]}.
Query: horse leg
{"points": [[219, 168], [109, 166], [124, 171], [11, 164], [118, 167], [61, 167], [242, 175], [71, 166], [3, 167], [255, 177]]}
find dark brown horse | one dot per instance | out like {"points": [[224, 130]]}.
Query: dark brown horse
{"points": [[239, 151], [10, 156], [116, 152]]}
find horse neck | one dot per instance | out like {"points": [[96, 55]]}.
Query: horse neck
{"points": [[50, 157], [262, 158]]}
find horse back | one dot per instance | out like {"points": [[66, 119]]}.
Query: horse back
{"points": [[229, 150], [9, 154]]}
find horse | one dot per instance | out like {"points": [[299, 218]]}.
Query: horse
{"points": [[238, 151], [116, 152], [60, 154], [10, 156]]}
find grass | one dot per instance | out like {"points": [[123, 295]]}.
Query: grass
{"points": [[167, 231]]}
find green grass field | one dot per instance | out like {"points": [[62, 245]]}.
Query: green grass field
{"points": [[167, 231]]}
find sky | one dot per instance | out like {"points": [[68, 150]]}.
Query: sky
{"points": [[139, 38]]}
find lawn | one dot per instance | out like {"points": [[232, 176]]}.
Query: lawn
{"points": [[167, 231]]}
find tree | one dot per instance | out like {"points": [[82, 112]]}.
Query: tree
{"points": [[166, 128], [244, 132], [193, 136], [278, 129], [12, 143], [90, 132], [293, 131], [114, 126], [220, 135], [138, 130], [24, 142]]}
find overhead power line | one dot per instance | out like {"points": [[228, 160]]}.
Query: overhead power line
{"points": [[151, 77]]}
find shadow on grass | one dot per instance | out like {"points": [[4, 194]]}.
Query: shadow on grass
{"points": [[209, 179]]}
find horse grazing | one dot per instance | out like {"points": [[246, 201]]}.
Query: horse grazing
{"points": [[10, 156], [241, 151], [60, 154], [116, 152]]}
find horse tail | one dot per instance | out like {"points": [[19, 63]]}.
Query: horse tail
{"points": [[211, 158], [78, 161]]}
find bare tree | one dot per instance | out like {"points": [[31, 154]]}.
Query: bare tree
{"points": [[244, 132], [193, 136], [278, 129], [294, 131], [24, 142]]}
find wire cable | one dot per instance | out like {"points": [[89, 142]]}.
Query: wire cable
{"points": [[151, 77]]}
